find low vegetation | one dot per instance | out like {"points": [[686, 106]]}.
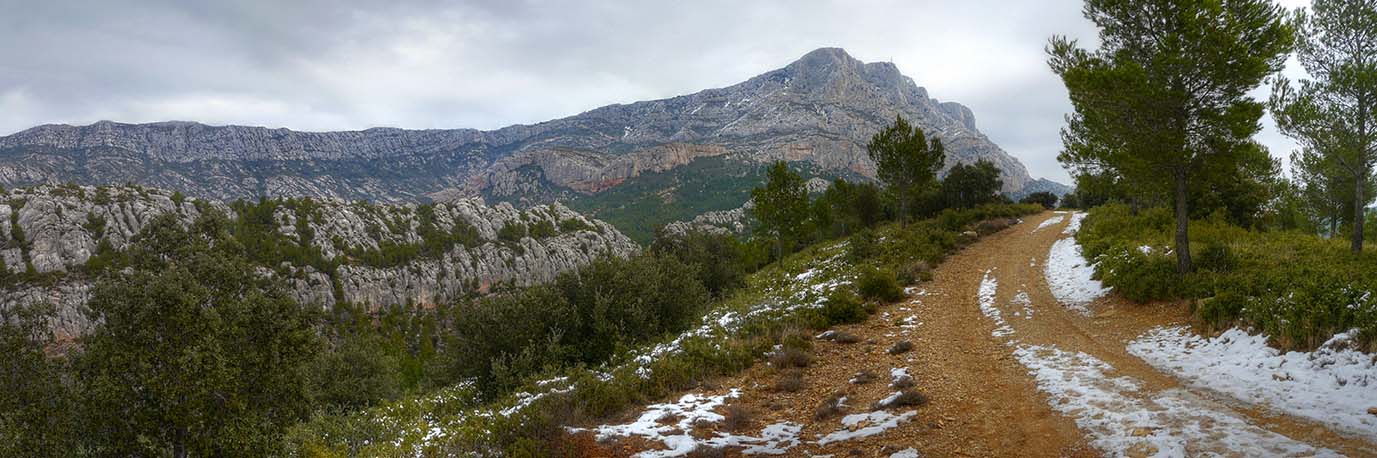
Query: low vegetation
{"points": [[1298, 288], [773, 313], [226, 363]]}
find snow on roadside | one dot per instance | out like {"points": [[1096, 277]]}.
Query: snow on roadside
{"points": [[1123, 419], [670, 424], [1075, 226], [1333, 385], [1053, 221], [1069, 276]]}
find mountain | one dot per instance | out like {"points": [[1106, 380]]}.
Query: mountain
{"points": [[362, 253], [819, 111], [1043, 185]]}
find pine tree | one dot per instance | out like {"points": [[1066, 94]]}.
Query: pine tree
{"points": [[969, 185], [781, 206], [1332, 114], [1163, 102], [906, 162]]}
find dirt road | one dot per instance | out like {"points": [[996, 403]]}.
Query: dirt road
{"points": [[1008, 370]]}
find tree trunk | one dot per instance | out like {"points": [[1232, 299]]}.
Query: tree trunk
{"points": [[1183, 241], [1359, 210]]}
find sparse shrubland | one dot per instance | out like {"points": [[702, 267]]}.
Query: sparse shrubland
{"points": [[774, 312]]}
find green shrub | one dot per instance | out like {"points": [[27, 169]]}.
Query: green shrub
{"points": [[543, 229], [861, 245], [512, 232], [1298, 289], [1139, 276], [1216, 257], [879, 284], [721, 261], [841, 307], [1045, 199], [574, 225]]}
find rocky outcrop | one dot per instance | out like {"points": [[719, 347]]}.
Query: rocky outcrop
{"points": [[734, 221], [50, 232], [821, 109], [587, 171]]}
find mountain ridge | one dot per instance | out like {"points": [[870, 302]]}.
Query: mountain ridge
{"points": [[820, 109]]}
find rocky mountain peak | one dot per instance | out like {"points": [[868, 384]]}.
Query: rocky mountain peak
{"points": [[832, 71]]}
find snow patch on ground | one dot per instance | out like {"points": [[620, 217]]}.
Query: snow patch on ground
{"points": [[1025, 303], [1075, 226], [860, 425], [1123, 419], [1333, 385], [899, 376], [1053, 221], [1069, 276], [988, 287], [670, 424], [905, 453]]}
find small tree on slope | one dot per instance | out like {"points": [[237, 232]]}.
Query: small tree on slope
{"points": [[781, 205], [906, 162]]}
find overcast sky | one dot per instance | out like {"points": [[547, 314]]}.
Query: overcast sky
{"points": [[354, 64]]}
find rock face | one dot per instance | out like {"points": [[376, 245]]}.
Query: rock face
{"points": [[51, 231], [822, 109]]}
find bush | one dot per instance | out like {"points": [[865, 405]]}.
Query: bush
{"points": [[1216, 257], [512, 232], [861, 245], [584, 317], [1298, 289], [721, 261], [355, 374], [543, 229], [842, 307], [574, 225], [879, 284], [789, 382], [1139, 276], [787, 358], [914, 272]]}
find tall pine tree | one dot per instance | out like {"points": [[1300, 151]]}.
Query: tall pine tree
{"points": [[1332, 114], [1163, 102]]}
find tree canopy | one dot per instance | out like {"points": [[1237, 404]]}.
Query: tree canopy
{"points": [[906, 162], [196, 353], [1163, 102], [1331, 114]]}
